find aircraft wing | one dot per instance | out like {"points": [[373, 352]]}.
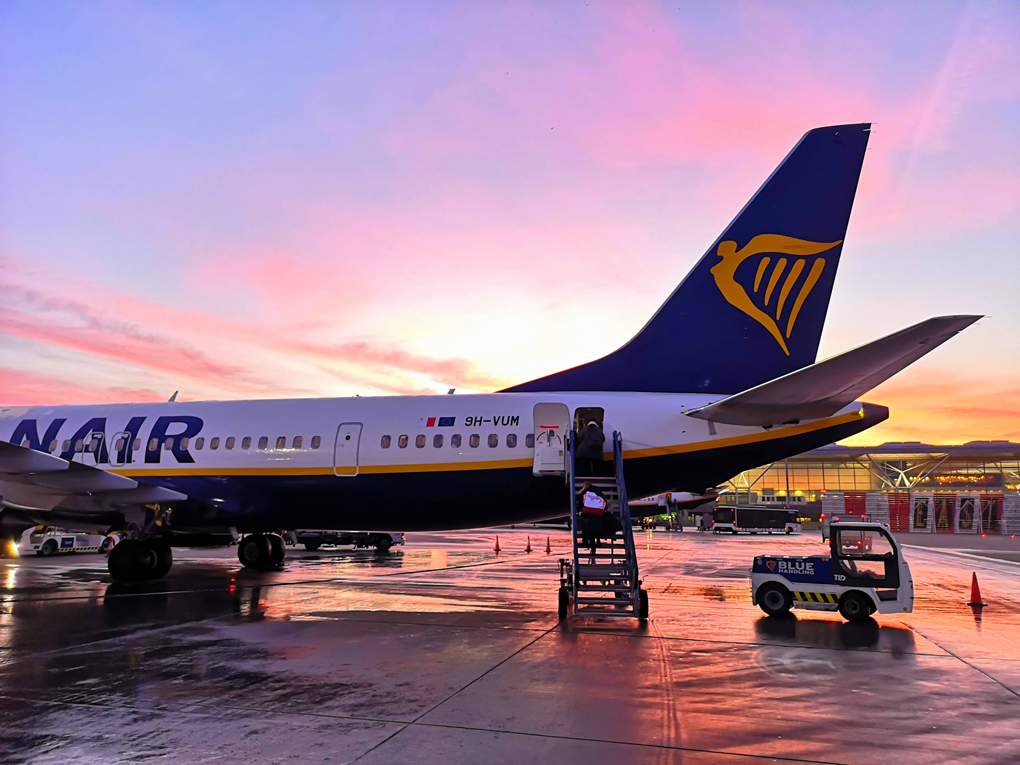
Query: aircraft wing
{"points": [[822, 389], [47, 481]]}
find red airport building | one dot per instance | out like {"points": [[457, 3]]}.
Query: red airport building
{"points": [[973, 488]]}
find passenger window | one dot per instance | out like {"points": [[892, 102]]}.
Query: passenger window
{"points": [[53, 446], [246, 442], [168, 444], [230, 442], [455, 440], [263, 443], [184, 442], [281, 442], [474, 440], [493, 440], [402, 442], [67, 445], [316, 442], [214, 443], [138, 444], [297, 442], [79, 445], [437, 441], [529, 440], [384, 442], [153, 444], [419, 442], [511, 440], [119, 446], [199, 443]]}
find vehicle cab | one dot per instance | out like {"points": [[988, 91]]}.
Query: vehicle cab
{"points": [[864, 572]]}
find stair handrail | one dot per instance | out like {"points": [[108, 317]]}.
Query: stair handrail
{"points": [[573, 510], [628, 529]]}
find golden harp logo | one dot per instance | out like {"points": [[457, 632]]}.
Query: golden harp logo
{"points": [[765, 288]]}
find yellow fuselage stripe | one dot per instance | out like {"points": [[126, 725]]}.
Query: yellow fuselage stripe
{"points": [[629, 454]]}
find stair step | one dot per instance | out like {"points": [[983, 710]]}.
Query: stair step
{"points": [[579, 601], [591, 611], [603, 588]]}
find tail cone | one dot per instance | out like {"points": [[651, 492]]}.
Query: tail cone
{"points": [[975, 592]]}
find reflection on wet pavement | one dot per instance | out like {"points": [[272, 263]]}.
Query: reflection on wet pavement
{"points": [[445, 651]]}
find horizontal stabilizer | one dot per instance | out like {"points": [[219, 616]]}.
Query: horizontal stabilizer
{"points": [[822, 389]]}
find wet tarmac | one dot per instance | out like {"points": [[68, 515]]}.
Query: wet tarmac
{"points": [[442, 651]]}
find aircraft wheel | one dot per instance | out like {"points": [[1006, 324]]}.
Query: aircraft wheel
{"points": [[106, 545], [48, 549], [312, 546], [564, 603], [164, 559], [131, 561], [279, 550], [774, 599], [642, 604], [254, 551], [854, 607]]}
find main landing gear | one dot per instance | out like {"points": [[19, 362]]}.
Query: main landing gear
{"points": [[136, 560], [261, 551]]}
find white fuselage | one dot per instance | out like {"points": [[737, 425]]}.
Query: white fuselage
{"points": [[343, 443]]}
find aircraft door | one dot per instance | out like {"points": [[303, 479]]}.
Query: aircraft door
{"points": [[552, 423], [345, 452]]}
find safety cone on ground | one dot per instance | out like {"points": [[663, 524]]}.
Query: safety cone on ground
{"points": [[496, 548], [528, 548], [548, 549], [975, 592]]}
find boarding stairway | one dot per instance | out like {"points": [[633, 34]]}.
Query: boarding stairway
{"points": [[602, 581]]}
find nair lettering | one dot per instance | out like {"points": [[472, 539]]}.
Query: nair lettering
{"points": [[176, 427]]}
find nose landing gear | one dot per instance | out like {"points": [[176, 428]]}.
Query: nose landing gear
{"points": [[136, 560]]}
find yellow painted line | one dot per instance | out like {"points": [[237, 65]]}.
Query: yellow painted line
{"points": [[750, 438], [656, 451]]}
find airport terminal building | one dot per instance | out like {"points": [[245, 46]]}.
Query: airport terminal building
{"points": [[915, 487]]}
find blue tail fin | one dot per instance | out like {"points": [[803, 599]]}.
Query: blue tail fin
{"points": [[753, 307]]}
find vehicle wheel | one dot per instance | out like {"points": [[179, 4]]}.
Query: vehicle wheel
{"points": [[789, 531], [642, 613], [279, 551], [49, 548], [131, 561], [383, 544], [854, 607], [106, 545], [253, 551], [164, 559], [312, 546], [564, 603], [774, 599]]}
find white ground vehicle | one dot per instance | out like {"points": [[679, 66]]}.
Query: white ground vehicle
{"points": [[865, 572], [48, 540]]}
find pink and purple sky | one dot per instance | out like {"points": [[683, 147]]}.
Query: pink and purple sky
{"points": [[245, 200]]}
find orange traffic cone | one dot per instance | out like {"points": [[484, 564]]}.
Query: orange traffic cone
{"points": [[496, 548], [528, 547], [548, 549], [975, 592]]}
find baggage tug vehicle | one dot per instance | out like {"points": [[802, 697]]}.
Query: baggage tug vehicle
{"points": [[864, 572]]}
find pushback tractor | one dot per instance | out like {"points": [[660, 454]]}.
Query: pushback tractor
{"points": [[864, 572]]}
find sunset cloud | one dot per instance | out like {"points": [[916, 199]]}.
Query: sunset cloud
{"points": [[479, 195]]}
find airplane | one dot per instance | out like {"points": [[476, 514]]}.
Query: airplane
{"points": [[721, 379]]}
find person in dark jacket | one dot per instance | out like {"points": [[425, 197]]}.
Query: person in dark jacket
{"points": [[589, 449]]}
